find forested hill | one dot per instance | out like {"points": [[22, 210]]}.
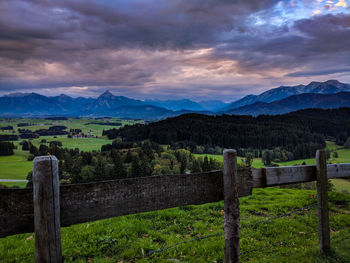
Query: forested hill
{"points": [[262, 132]]}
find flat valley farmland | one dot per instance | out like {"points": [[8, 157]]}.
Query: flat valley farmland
{"points": [[83, 133]]}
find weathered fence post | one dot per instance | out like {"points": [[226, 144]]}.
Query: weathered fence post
{"points": [[231, 207], [322, 202], [46, 210]]}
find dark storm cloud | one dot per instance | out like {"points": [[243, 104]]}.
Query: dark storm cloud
{"points": [[144, 46], [91, 25]]}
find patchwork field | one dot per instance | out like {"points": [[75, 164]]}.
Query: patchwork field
{"points": [[17, 166], [84, 144], [72, 123]]}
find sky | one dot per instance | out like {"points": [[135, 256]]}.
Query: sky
{"points": [[171, 49]]}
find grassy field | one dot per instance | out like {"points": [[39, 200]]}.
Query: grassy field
{"points": [[71, 123], [84, 144], [288, 239], [17, 166], [341, 185]]}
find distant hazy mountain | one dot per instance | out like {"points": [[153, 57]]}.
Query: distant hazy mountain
{"points": [[213, 105], [328, 87], [175, 105], [30, 104], [69, 104], [147, 112], [186, 104], [294, 103], [107, 101]]}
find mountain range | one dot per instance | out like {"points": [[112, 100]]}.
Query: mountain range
{"points": [[327, 87], [294, 103], [329, 94]]}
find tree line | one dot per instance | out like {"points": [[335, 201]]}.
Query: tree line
{"points": [[138, 160], [295, 135]]}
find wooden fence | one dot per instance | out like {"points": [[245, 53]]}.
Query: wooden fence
{"points": [[48, 206]]}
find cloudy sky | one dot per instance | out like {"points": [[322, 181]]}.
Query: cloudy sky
{"points": [[198, 49]]}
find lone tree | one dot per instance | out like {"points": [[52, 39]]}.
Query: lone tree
{"points": [[6, 148], [267, 157]]}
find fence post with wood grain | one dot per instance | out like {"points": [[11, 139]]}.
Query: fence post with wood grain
{"points": [[48, 206]]}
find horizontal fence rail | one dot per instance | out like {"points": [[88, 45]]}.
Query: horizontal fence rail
{"points": [[86, 202], [272, 176]]}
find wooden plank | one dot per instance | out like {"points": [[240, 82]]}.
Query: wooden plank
{"points": [[92, 201], [265, 177], [259, 178], [46, 210], [244, 182], [271, 176], [231, 207], [322, 202], [290, 174], [16, 211], [338, 170]]}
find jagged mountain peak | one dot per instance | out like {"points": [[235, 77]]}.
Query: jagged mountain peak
{"points": [[106, 94], [328, 82]]}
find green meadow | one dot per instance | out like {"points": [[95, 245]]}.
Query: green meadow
{"points": [[84, 144], [131, 238], [71, 123], [17, 166]]}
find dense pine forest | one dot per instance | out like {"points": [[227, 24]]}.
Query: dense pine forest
{"points": [[297, 134]]}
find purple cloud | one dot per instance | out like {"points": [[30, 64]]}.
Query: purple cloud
{"points": [[160, 48]]}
